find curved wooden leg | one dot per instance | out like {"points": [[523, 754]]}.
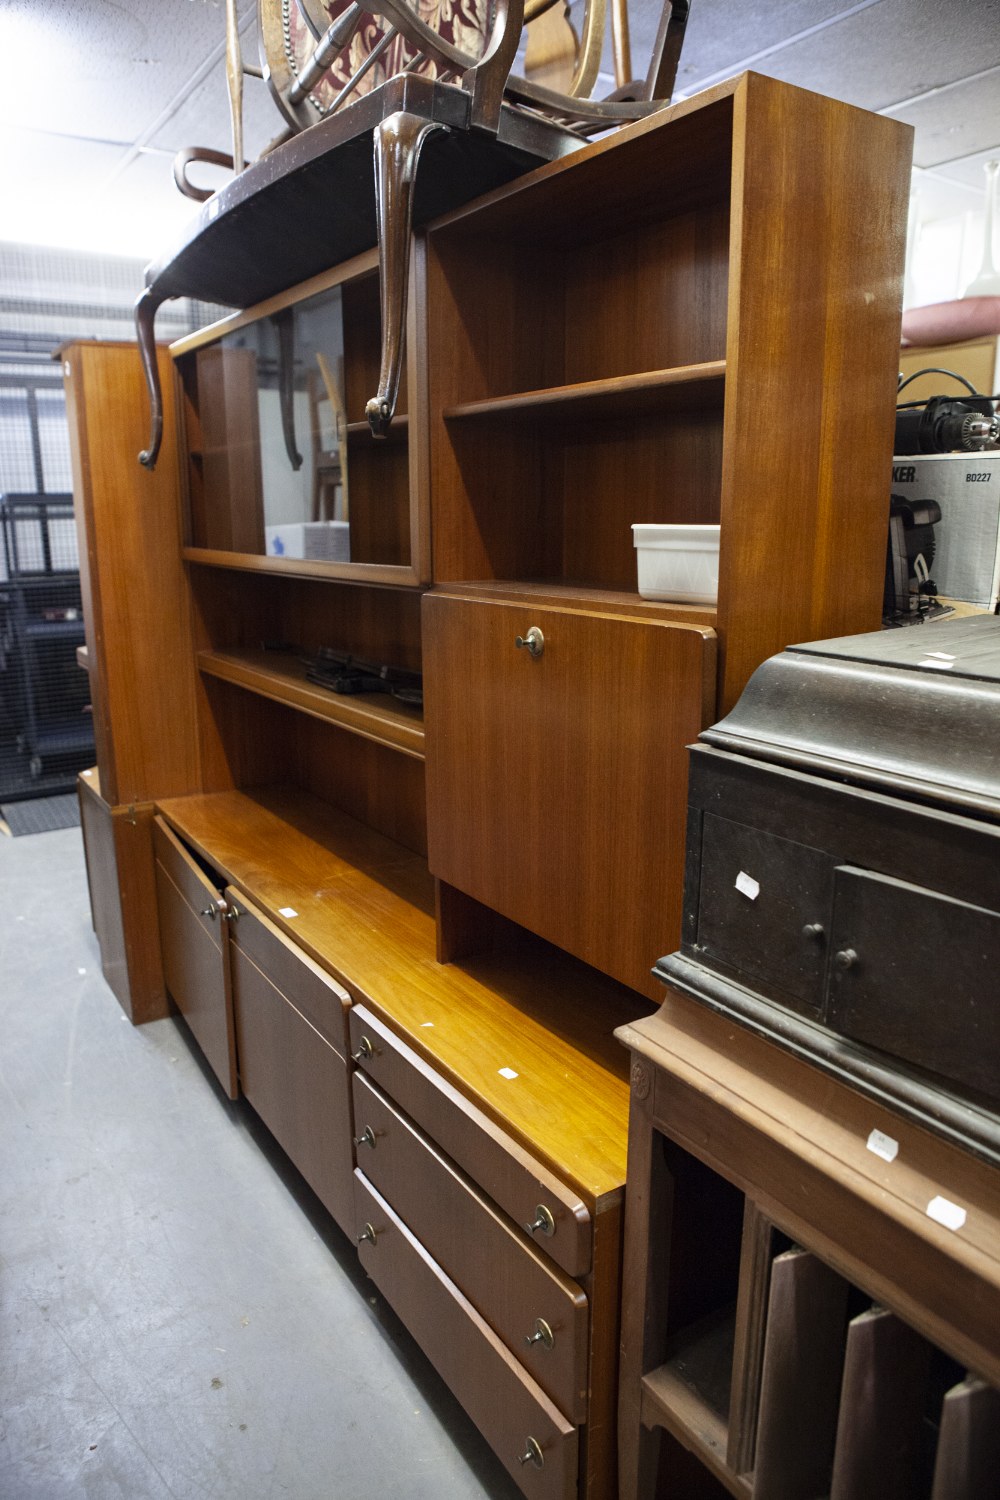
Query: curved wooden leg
{"points": [[284, 321], [398, 143], [145, 317]]}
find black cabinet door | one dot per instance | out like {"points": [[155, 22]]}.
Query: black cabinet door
{"points": [[917, 975]]}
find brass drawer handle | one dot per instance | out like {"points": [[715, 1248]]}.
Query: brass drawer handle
{"points": [[544, 1222], [365, 1050], [542, 1335], [813, 930], [847, 958], [232, 913], [211, 912], [368, 1233], [534, 1454], [366, 1138], [532, 641]]}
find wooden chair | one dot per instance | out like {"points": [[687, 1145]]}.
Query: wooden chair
{"points": [[358, 67]]}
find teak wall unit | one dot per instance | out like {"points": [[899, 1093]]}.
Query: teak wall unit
{"points": [[407, 939]]}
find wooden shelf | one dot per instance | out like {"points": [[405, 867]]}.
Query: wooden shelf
{"points": [[577, 597], [281, 676], [364, 911], [669, 1402], [390, 575], [623, 395], [399, 428]]}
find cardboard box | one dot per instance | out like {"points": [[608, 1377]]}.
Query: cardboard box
{"points": [[315, 541], [967, 538]]}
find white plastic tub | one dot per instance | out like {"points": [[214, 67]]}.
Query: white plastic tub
{"points": [[679, 563]]}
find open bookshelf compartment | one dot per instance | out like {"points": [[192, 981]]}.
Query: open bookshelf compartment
{"points": [[578, 369], [800, 1385], [557, 499]]}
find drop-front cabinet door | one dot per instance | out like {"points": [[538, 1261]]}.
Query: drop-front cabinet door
{"points": [[557, 769]]}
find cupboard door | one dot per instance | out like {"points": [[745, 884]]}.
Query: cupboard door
{"points": [[928, 995], [195, 950], [296, 1080], [557, 778]]}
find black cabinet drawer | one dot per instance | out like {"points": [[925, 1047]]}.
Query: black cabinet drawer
{"points": [[916, 974], [763, 907]]}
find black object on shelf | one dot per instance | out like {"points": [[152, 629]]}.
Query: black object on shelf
{"points": [[46, 696], [343, 673]]}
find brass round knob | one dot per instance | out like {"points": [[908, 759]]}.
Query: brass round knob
{"points": [[532, 641], [368, 1233], [847, 958], [542, 1335], [543, 1222], [366, 1138], [365, 1049], [533, 1455], [813, 930], [211, 912]]}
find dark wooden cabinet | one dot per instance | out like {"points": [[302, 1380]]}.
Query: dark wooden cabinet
{"points": [[822, 1332]]}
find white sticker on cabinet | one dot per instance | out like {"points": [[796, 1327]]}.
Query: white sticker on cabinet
{"points": [[883, 1145], [287, 911], [747, 885], [507, 1073], [943, 1211]]}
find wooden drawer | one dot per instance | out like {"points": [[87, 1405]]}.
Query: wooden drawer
{"points": [[571, 766], [195, 952], [510, 1410], [517, 1291], [506, 1172], [291, 1074]]}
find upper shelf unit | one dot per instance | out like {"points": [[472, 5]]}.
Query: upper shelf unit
{"points": [[282, 472], [690, 321]]}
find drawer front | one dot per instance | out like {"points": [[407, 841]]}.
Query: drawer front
{"points": [[763, 907], [293, 973], [539, 1313], [195, 953], [294, 1079], [510, 1410], [571, 767], [506, 1172], [915, 974]]}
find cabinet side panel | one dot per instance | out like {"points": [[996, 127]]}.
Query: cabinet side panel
{"points": [[137, 629], [820, 194]]}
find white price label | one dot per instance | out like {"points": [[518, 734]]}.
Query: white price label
{"points": [[883, 1145], [943, 1211]]}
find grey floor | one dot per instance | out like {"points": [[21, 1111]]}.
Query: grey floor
{"points": [[177, 1315]]}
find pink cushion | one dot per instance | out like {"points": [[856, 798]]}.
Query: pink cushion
{"points": [[952, 322]]}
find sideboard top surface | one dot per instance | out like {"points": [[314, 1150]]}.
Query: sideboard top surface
{"points": [[363, 908]]}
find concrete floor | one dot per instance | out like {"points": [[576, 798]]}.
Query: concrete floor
{"points": [[178, 1316]]}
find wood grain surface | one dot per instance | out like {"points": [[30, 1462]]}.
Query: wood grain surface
{"points": [[365, 913]]}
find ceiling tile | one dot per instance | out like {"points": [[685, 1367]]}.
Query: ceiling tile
{"points": [[958, 122]]}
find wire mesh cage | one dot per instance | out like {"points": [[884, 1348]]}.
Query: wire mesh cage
{"points": [[50, 297]]}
